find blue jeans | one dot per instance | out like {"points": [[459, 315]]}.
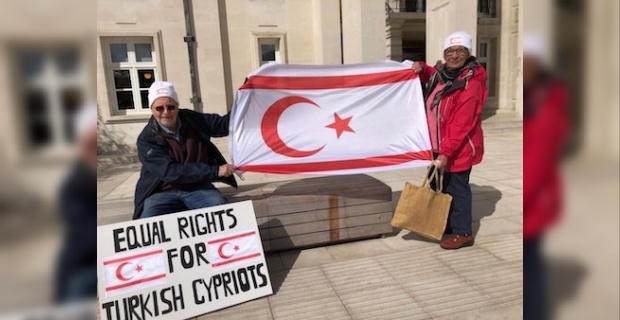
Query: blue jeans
{"points": [[177, 200], [457, 185], [534, 281]]}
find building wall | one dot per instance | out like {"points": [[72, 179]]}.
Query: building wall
{"points": [[287, 20], [34, 133], [496, 41], [140, 19], [227, 35]]}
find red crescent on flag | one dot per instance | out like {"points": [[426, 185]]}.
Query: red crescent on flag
{"points": [[269, 127], [220, 251], [119, 271]]}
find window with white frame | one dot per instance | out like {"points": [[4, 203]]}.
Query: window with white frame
{"points": [[268, 46], [132, 67], [51, 86], [269, 50]]}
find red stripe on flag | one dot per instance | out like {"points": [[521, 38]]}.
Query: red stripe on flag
{"points": [[332, 82], [146, 254], [339, 164], [249, 256], [245, 234], [128, 284]]}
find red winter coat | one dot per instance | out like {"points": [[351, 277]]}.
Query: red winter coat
{"points": [[460, 130], [544, 134]]}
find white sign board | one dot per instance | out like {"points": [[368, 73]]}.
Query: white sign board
{"points": [[181, 265]]}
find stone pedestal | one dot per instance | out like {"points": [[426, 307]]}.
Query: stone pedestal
{"points": [[318, 211]]}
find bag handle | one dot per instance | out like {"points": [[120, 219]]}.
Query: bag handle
{"points": [[437, 175], [440, 188]]}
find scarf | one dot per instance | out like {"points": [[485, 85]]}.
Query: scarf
{"points": [[449, 77], [535, 94]]}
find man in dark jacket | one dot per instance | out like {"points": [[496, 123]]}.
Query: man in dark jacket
{"points": [[179, 162], [76, 269]]}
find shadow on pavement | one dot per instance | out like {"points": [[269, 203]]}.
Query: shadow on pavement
{"points": [[487, 114], [564, 277], [413, 236], [279, 263], [484, 203]]}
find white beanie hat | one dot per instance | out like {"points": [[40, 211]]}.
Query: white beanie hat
{"points": [[459, 38], [84, 120], [535, 46], [159, 89]]}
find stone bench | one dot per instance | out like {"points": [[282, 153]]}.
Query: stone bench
{"points": [[301, 213], [317, 211]]}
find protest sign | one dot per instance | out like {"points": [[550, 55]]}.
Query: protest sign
{"points": [[181, 265]]}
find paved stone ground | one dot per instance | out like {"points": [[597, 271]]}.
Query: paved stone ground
{"points": [[399, 276]]}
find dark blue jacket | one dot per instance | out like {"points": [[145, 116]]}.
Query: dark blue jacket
{"points": [[76, 271], [158, 166]]}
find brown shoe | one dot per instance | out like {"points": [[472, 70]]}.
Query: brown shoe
{"points": [[457, 242]]}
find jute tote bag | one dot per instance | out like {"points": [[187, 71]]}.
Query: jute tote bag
{"points": [[423, 210]]}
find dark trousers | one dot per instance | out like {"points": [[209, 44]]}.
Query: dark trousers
{"points": [[534, 283], [456, 184]]}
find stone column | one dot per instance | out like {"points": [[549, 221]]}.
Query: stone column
{"points": [[394, 39], [363, 30], [326, 19], [213, 56], [600, 104], [519, 66], [444, 17], [510, 58]]}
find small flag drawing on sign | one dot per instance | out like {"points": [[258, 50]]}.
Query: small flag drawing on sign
{"points": [[124, 273], [234, 248]]}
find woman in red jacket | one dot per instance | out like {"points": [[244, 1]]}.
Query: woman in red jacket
{"points": [[455, 94], [546, 125]]}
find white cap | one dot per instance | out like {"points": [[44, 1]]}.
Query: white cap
{"points": [[84, 120], [534, 46], [161, 89], [459, 38]]}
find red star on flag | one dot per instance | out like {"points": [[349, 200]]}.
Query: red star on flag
{"points": [[236, 248], [340, 125], [138, 268]]}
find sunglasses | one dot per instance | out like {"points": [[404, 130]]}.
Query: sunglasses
{"points": [[169, 107], [459, 51]]}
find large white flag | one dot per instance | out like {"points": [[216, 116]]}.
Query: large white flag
{"points": [[335, 119]]}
